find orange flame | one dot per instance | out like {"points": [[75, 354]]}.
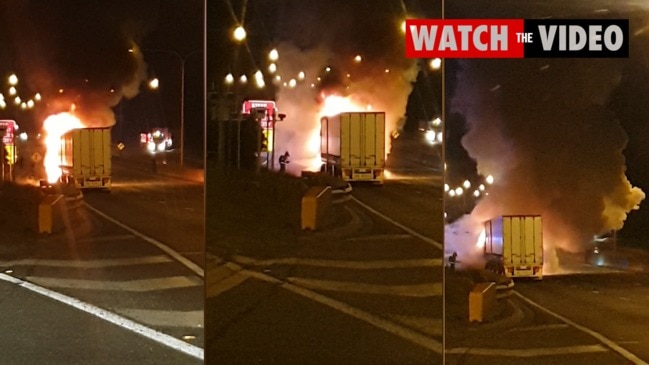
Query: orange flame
{"points": [[54, 127]]}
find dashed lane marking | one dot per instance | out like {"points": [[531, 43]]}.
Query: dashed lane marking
{"points": [[143, 285], [409, 230], [341, 264], [415, 290], [118, 320], [89, 264]]}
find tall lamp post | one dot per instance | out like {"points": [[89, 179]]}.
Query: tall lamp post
{"points": [[182, 60]]}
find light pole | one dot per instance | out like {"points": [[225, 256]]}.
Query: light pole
{"points": [[182, 60]]}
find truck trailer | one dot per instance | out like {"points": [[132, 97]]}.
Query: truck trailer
{"points": [[513, 245], [352, 146], [86, 158]]}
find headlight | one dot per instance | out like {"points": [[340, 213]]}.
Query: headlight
{"points": [[150, 146], [430, 136], [161, 147]]}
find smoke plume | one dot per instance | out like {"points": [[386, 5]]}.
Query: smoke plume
{"points": [[545, 134]]}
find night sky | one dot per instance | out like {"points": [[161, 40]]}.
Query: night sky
{"points": [[82, 47]]}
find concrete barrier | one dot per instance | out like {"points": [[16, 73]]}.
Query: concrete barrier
{"points": [[50, 211], [482, 302], [315, 204]]}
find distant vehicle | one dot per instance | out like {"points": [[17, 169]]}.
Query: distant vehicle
{"points": [[352, 146], [157, 140], [513, 245], [86, 158]]}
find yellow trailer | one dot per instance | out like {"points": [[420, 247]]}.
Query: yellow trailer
{"points": [[86, 158]]}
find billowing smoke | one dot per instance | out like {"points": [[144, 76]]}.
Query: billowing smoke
{"points": [[371, 84], [544, 132], [78, 53]]}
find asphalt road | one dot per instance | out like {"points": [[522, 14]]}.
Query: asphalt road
{"points": [[367, 289], [121, 258]]}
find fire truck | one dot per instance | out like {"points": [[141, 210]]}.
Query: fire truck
{"points": [[157, 140]]}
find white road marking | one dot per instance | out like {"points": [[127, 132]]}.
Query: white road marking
{"points": [[121, 237], [384, 324], [411, 231], [342, 264], [540, 328], [427, 325], [120, 321], [164, 318], [214, 289], [178, 257], [89, 264], [527, 352], [380, 237], [143, 285], [612, 345], [415, 290]]}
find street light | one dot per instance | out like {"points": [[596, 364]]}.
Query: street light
{"points": [[466, 184], [273, 55], [436, 63], [239, 34], [490, 179], [13, 79], [154, 84]]}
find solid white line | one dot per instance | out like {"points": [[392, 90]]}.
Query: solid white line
{"points": [[543, 351], [89, 264], [143, 285], [412, 232], [543, 327], [178, 257], [615, 347], [121, 237], [164, 318], [386, 325], [342, 264], [416, 290], [120, 321]]}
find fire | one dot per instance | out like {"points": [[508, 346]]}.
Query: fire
{"points": [[336, 104], [54, 127], [481, 239]]}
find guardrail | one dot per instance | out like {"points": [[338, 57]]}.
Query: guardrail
{"points": [[315, 204]]}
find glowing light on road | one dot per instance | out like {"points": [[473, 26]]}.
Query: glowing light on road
{"points": [[54, 127]]}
